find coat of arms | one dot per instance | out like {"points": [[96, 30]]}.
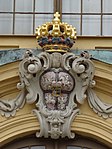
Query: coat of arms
{"points": [[56, 80]]}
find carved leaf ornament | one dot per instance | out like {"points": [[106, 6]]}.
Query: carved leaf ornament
{"points": [[56, 81]]}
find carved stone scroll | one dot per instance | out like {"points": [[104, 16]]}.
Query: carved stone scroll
{"points": [[103, 109], [9, 107], [56, 83]]}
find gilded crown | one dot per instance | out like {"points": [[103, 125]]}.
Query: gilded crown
{"points": [[56, 35]]}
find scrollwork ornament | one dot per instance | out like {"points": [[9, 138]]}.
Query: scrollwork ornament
{"points": [[9, 107], [55, 82], [83, 69], [99, 107], [28, 68]]}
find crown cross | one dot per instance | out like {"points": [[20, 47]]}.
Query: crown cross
{"points": [[57, 16]]}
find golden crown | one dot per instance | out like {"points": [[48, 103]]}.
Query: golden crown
{"points": [[56, 35]]}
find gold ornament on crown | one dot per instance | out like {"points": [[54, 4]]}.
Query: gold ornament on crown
{"points": [[56, 35]]}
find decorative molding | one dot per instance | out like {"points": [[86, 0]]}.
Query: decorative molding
{"points": [[68, 77], [83, 124], [9, 107], [103, 109], [93, 127], [56, 80], [19, 126]]}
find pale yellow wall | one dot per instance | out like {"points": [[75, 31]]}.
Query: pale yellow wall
{"points": [[11, 41], [93, 43], [87, 123], [17, 41]]}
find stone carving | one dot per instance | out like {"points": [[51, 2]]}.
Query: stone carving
{"points": [[56, 81], [56, 85], [9, 107], [103, 109], [56, 107]]}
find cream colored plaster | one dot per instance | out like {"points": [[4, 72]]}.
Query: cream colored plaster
{"points": [[11, 41], [96, 42]]}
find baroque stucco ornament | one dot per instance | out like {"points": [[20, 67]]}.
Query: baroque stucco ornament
{"points": [[56, 80]]}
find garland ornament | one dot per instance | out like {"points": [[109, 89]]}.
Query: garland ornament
{"points": [[56, 80]]}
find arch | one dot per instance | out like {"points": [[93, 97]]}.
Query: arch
{"points": [[31, 142], [85, 125]]}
